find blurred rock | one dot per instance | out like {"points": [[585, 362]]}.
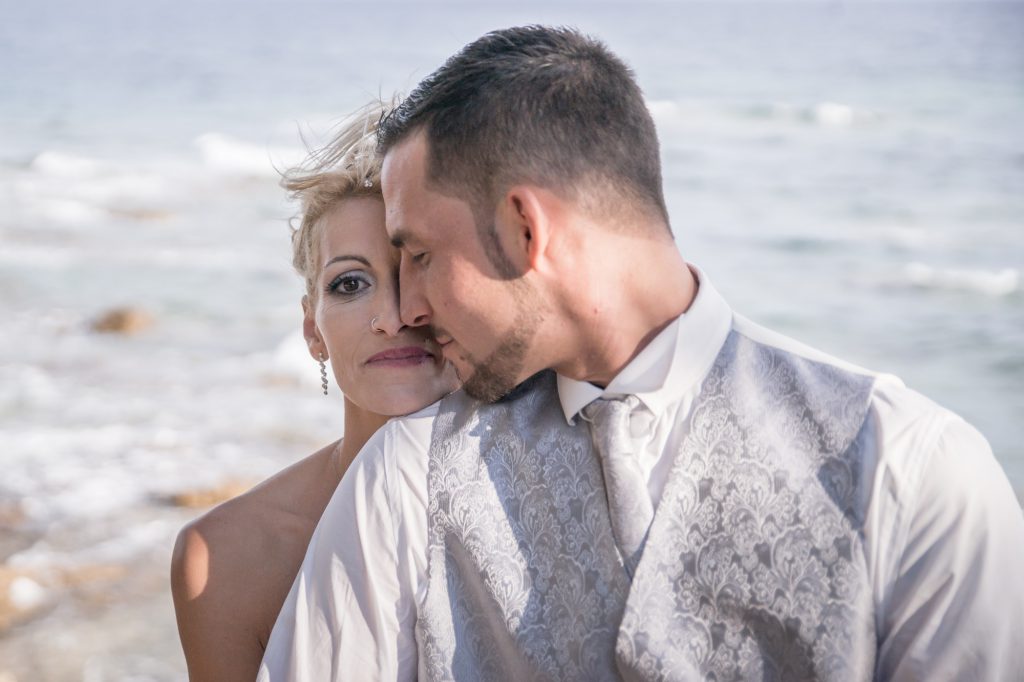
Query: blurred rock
{"points": [[24, 593], [83, 576], [122, 321], [207, 497], [11, 514]]}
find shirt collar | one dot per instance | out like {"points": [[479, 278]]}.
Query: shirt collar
{"points": [[673, 363]]}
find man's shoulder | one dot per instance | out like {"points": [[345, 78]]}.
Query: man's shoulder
{"points": [[785, 344], [896, 406]]}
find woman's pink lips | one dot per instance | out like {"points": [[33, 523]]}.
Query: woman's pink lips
{"points": [[401, 357]]}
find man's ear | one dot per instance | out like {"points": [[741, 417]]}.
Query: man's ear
{"points": [[528, 213], [311, 332]]}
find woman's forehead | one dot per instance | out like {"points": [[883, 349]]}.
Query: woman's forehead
{"points": [[356, 226]]}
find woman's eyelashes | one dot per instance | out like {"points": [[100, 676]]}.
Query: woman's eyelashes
{"points": [[349, 284]]}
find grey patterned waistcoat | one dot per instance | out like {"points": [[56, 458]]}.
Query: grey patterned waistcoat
{"points": [[753, 567]]}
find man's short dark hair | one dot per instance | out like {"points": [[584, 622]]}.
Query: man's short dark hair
{"points": [[536, 104]]}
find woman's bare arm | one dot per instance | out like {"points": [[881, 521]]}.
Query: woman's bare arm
{"points": [[232, 568]]}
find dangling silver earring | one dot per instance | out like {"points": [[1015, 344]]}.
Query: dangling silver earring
{"points": [[323, 371]]}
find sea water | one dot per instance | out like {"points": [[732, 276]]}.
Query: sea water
{"points": [[850, 174]]}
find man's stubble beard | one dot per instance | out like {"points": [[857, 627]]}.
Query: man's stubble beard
{"points": [[500, 372]]}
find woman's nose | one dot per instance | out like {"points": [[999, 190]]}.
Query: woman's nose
{"points": [[387, 321]]}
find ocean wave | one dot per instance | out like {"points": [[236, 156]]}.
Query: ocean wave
{"points": [[291, 360], [69, 190], [663, 109], [65, 165], [64, 211], [989, 282], [23, 385], [824, 114], [227, 154], [832, 114], [201, 259], [905, 236], [95, 472], [62, 190], [134, 540]]}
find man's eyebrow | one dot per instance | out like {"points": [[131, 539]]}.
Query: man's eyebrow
{"points": [[399, 238], [359, 259]]}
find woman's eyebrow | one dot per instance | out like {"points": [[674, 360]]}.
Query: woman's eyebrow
{"points": [[360, 259]]}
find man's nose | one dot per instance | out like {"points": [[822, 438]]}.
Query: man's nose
{"points": [[413, 307]]}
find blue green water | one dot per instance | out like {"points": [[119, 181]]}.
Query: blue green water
{"points": [[850, 174]]}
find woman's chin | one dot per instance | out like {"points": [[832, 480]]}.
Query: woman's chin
{"points": [[401, 400], [402, 391]]}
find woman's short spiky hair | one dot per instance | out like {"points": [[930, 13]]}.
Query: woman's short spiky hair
{"points": [[347, 166]]}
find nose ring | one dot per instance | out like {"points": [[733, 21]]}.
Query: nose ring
{"points": [[373, 325]]}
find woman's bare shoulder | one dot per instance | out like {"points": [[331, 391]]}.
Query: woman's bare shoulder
{"points": [[271, 513], [232, 567]]}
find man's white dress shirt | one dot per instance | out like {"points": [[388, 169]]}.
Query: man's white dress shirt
{"points": [[944, 533]]}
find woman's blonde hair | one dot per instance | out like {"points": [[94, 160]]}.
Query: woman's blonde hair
{"points": [[347, 166]]}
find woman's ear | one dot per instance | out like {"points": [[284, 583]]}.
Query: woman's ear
{"points": [[311, 332]]}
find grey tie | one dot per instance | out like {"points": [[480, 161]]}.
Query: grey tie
{"points": [[629, 503]]}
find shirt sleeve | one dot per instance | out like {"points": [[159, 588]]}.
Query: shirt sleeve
{"points": [[345, 613], [955, 604]]}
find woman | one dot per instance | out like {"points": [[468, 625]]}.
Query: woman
{"points": [[232, 567]]}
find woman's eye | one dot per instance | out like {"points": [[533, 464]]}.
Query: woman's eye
{"points": [[348, 284], [420, 258]]}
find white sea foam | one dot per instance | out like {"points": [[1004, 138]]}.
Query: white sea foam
{"points": [[704, 116], [25, 594], [663, 110], [833, 114], [221, 259], [38, 256], [898, 235], [96, 465], [64, 211], [229, 155], [989, 282], [673, 115], [905, 236], [65, 165], [69, 190], [24, 386], [291, 358], [826, 114], [133, 540]]}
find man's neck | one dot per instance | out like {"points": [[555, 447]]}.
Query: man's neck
{"points": [[616, 329]]}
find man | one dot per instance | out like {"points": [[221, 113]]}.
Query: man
{"points": [[691, 497]]}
